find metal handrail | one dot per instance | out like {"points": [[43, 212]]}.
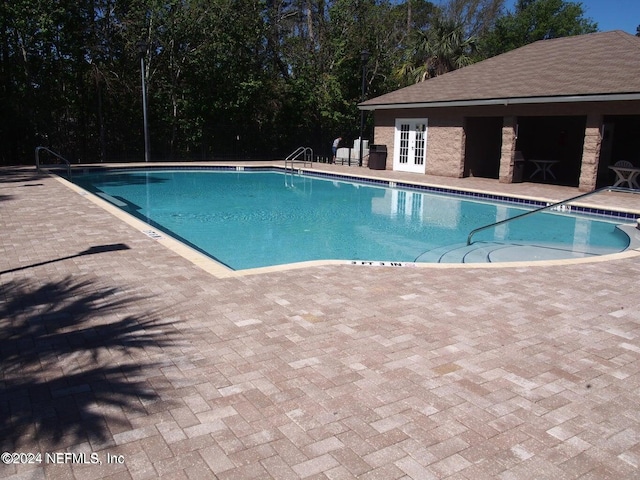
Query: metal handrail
{"points": [[550, 206], [307, 153], [57, 155]]}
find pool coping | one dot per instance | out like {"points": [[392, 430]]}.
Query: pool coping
{"points": [[220, 270]]}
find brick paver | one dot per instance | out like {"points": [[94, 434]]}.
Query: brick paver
{"points": [[113, 345]]}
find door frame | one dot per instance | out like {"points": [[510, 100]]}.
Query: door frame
{"points": [[409, 151]]}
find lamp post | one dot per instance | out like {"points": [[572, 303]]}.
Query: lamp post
{"points": [[364, 57], [142, 49]]}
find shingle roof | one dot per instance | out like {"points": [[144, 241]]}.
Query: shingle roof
{"points": [[605, 63]]}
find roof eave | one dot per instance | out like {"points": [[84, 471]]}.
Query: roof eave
{"points": [[615, 97]]}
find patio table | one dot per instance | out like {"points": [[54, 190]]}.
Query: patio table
{"points": [[626, 175], [544, 167]]}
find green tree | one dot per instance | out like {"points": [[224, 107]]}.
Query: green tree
{"points": [[382, 28], [441, 49], [477, 17], [224, 77], [535, 20], [403, 52], [448, 41]]}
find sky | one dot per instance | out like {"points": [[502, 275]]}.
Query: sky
{"points": [[608, 14]]}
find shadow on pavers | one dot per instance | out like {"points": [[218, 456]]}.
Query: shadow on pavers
{"points": [[68, 362]]}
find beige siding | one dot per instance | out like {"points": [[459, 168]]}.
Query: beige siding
{"points": [[445, 139], [384, 132], [384, 136], [445, 146]]}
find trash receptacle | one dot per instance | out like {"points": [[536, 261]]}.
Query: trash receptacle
{"points": [[518, 171], [378, 157]]}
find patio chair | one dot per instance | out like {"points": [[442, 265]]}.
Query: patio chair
{"points": [[625, 173], [623, 164]]}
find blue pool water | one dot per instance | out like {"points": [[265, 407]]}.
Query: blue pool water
{"points": [[254, 219]]}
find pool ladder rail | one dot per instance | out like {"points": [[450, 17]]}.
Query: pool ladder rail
{"points": [[551, 206], [482, 251], [40, 166], [301, 155]]}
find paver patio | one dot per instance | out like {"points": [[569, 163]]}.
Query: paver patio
{"points": [[113, 345]]}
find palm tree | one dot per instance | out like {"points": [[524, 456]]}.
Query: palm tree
{"points": [[441, 49], [447, 48]]}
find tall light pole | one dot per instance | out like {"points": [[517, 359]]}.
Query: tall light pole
{"points": [[142, 49], [364, 57]]}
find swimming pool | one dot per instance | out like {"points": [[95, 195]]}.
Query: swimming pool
{"points": [[253, 219]]}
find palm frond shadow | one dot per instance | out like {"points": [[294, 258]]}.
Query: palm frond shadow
{"points": [[66, 353], [82, 405]]}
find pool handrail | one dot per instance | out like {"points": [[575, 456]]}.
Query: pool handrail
{"points": [[550, 206], [57, 155], [306, 152]]}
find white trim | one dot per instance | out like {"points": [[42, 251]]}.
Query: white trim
{"points": [[506, 101], [413, 143]]}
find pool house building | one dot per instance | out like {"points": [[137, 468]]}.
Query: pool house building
{"points": [[569, 107]]}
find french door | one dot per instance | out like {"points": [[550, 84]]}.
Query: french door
{"points": [[410, 145]]}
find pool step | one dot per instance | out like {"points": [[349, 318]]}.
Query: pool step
{"points": [[489, 252], [460, 253]]}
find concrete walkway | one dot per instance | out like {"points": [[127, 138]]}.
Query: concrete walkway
{"points": [[121, 359]]}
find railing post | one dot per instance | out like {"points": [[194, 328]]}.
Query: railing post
{"points": [[57, 155]]}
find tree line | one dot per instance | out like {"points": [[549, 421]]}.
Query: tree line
{"points": [[233, 78]]}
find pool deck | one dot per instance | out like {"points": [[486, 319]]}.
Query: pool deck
{"points": [[113, 344]]}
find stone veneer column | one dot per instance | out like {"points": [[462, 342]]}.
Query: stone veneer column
{"points": [[590, 153], [445, 147], [508, 149]]}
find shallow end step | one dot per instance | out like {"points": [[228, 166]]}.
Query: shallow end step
{"points": [[488, 252]]}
